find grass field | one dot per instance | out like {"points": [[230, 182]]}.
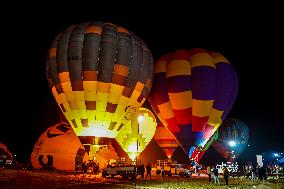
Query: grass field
{"points": [[20, 179]]}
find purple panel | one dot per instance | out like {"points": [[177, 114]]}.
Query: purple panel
{"points": [[226, 87], [160, 94], [203, 83], [179, 83]]}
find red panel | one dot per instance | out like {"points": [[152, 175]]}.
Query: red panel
{"points": [[183, 117], [179, 54], [173, 125], [198, 123]]}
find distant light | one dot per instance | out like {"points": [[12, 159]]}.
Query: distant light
{"points": [[248, 144], [233, 151], [281, 153], [232, 143], [140, 118], [276, 155], [15, 155]]}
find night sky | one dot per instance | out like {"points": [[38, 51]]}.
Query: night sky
{"points": [[250, 37]]}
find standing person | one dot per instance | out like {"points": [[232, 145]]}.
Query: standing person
{"points": [[163, 172], [216, 176], [148, 169], [226, 175], [209, 172], [142, 171], [253, 173]]}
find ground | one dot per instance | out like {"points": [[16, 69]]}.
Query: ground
{"points": [[11, 178]]}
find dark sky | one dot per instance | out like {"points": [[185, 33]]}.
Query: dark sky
{"points": [[251, 37]]}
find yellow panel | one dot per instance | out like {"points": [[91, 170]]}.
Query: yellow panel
{"points": [[115, 93], [201, 108], [64, 77], [215, 117], [166, 110], [90, 95], [101, 106], [72, 104], [81, 104], [114, 99], [69, 95], [202, 59], [217, 57], [100, 115], [79, 95], [178, 67], [181, 101], [123, 101], [66, 106], [160, 66], [102, 97], [63, 97], [90, 85]]}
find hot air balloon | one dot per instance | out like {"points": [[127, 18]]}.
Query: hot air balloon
{"points": [[99, 75], [166, 140], [233, 136], [192, 93], [6, 156], [137, 134], [105, 155], [57, 149]]}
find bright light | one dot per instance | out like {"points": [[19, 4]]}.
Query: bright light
{"points": [[15, 155], [248, 144], [232, 143], [132, 156], [233, 151], [132, 147], [276, 155], [140, 118]]}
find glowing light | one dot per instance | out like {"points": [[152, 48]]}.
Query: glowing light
{"points": [[276, 155], [248, 144], [132, 147], [232, 143], [132, 156], [140, 118]]}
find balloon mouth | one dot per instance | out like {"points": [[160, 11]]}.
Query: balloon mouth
{"points": [[92, 140]]}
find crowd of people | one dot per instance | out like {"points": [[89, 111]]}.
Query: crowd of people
{"points": [[248, 171], [90, 167]]}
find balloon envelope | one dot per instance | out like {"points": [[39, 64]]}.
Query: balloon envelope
{"points": [[137, 134], [192, 93], [5, 154], [99, 74], [233, 136], [57, 148]]}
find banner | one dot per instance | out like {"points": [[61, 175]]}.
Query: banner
{"points": [[259, 160]]}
